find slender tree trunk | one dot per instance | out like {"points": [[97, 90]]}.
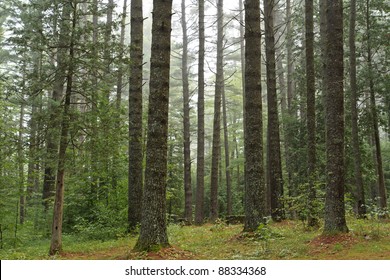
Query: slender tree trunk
{"points": [[153, 233], [119, 84], [312, 218], [52, 135], [289, 133], [219, 87], [334, 199], [374, 117], [274, 165], [227, 158], [22, 196], [186, 120], [199, 207], [254, 173], [56, 236], [360, 197], [135, 117]]}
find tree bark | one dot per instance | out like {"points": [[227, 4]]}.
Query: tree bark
{"points": [[135, 183], [153, 233], [312, 218], [199, 206], [274, 163], [219, 87], [334, 199], [186, 120], [253, 142], [359, 193]]}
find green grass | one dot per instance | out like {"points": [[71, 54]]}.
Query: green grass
{"points": [[368, 239]]}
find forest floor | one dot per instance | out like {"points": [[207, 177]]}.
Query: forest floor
{"points": [[368, 239]]}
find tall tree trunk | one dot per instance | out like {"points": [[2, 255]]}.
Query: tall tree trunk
{"points": [[56, 236], [227, 158], [289, 133], [52, 135], [312, 217], [153, 233], [274, 163], [219, 87], [253, 142], [374, 117], [199, 206], [22, 196], [135, 182], [334, 198], [360, 197], [186, 120], [119, 84]]}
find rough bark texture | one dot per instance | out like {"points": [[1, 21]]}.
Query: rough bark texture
{"points": [[219, 87], [56, 235], [274, 162], [312, 218], [254, 178], [359, 192], [186, 120], [153, 233], [334, 123], [382, 199], [135, 117], [200, 149]]}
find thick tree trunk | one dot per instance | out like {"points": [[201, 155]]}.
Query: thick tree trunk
{"points": [[219, 87], [135, 182], [56, 235], [254, 178], [186, 120], [274, 162], [199, 206], [334, 199], [312, 217], [153, 233], [359, 193]]}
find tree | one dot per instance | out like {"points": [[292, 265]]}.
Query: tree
{"points": [[186, 120], [227, 157], [70, 8], [274, 162], [311, 115], [219, 87], [360, 200], [253, 123], [199, 206], [382, 201], [335, 171], [135, 117], [153, 233]]}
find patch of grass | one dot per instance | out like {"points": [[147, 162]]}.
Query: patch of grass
{"points": [[367, 239]]}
